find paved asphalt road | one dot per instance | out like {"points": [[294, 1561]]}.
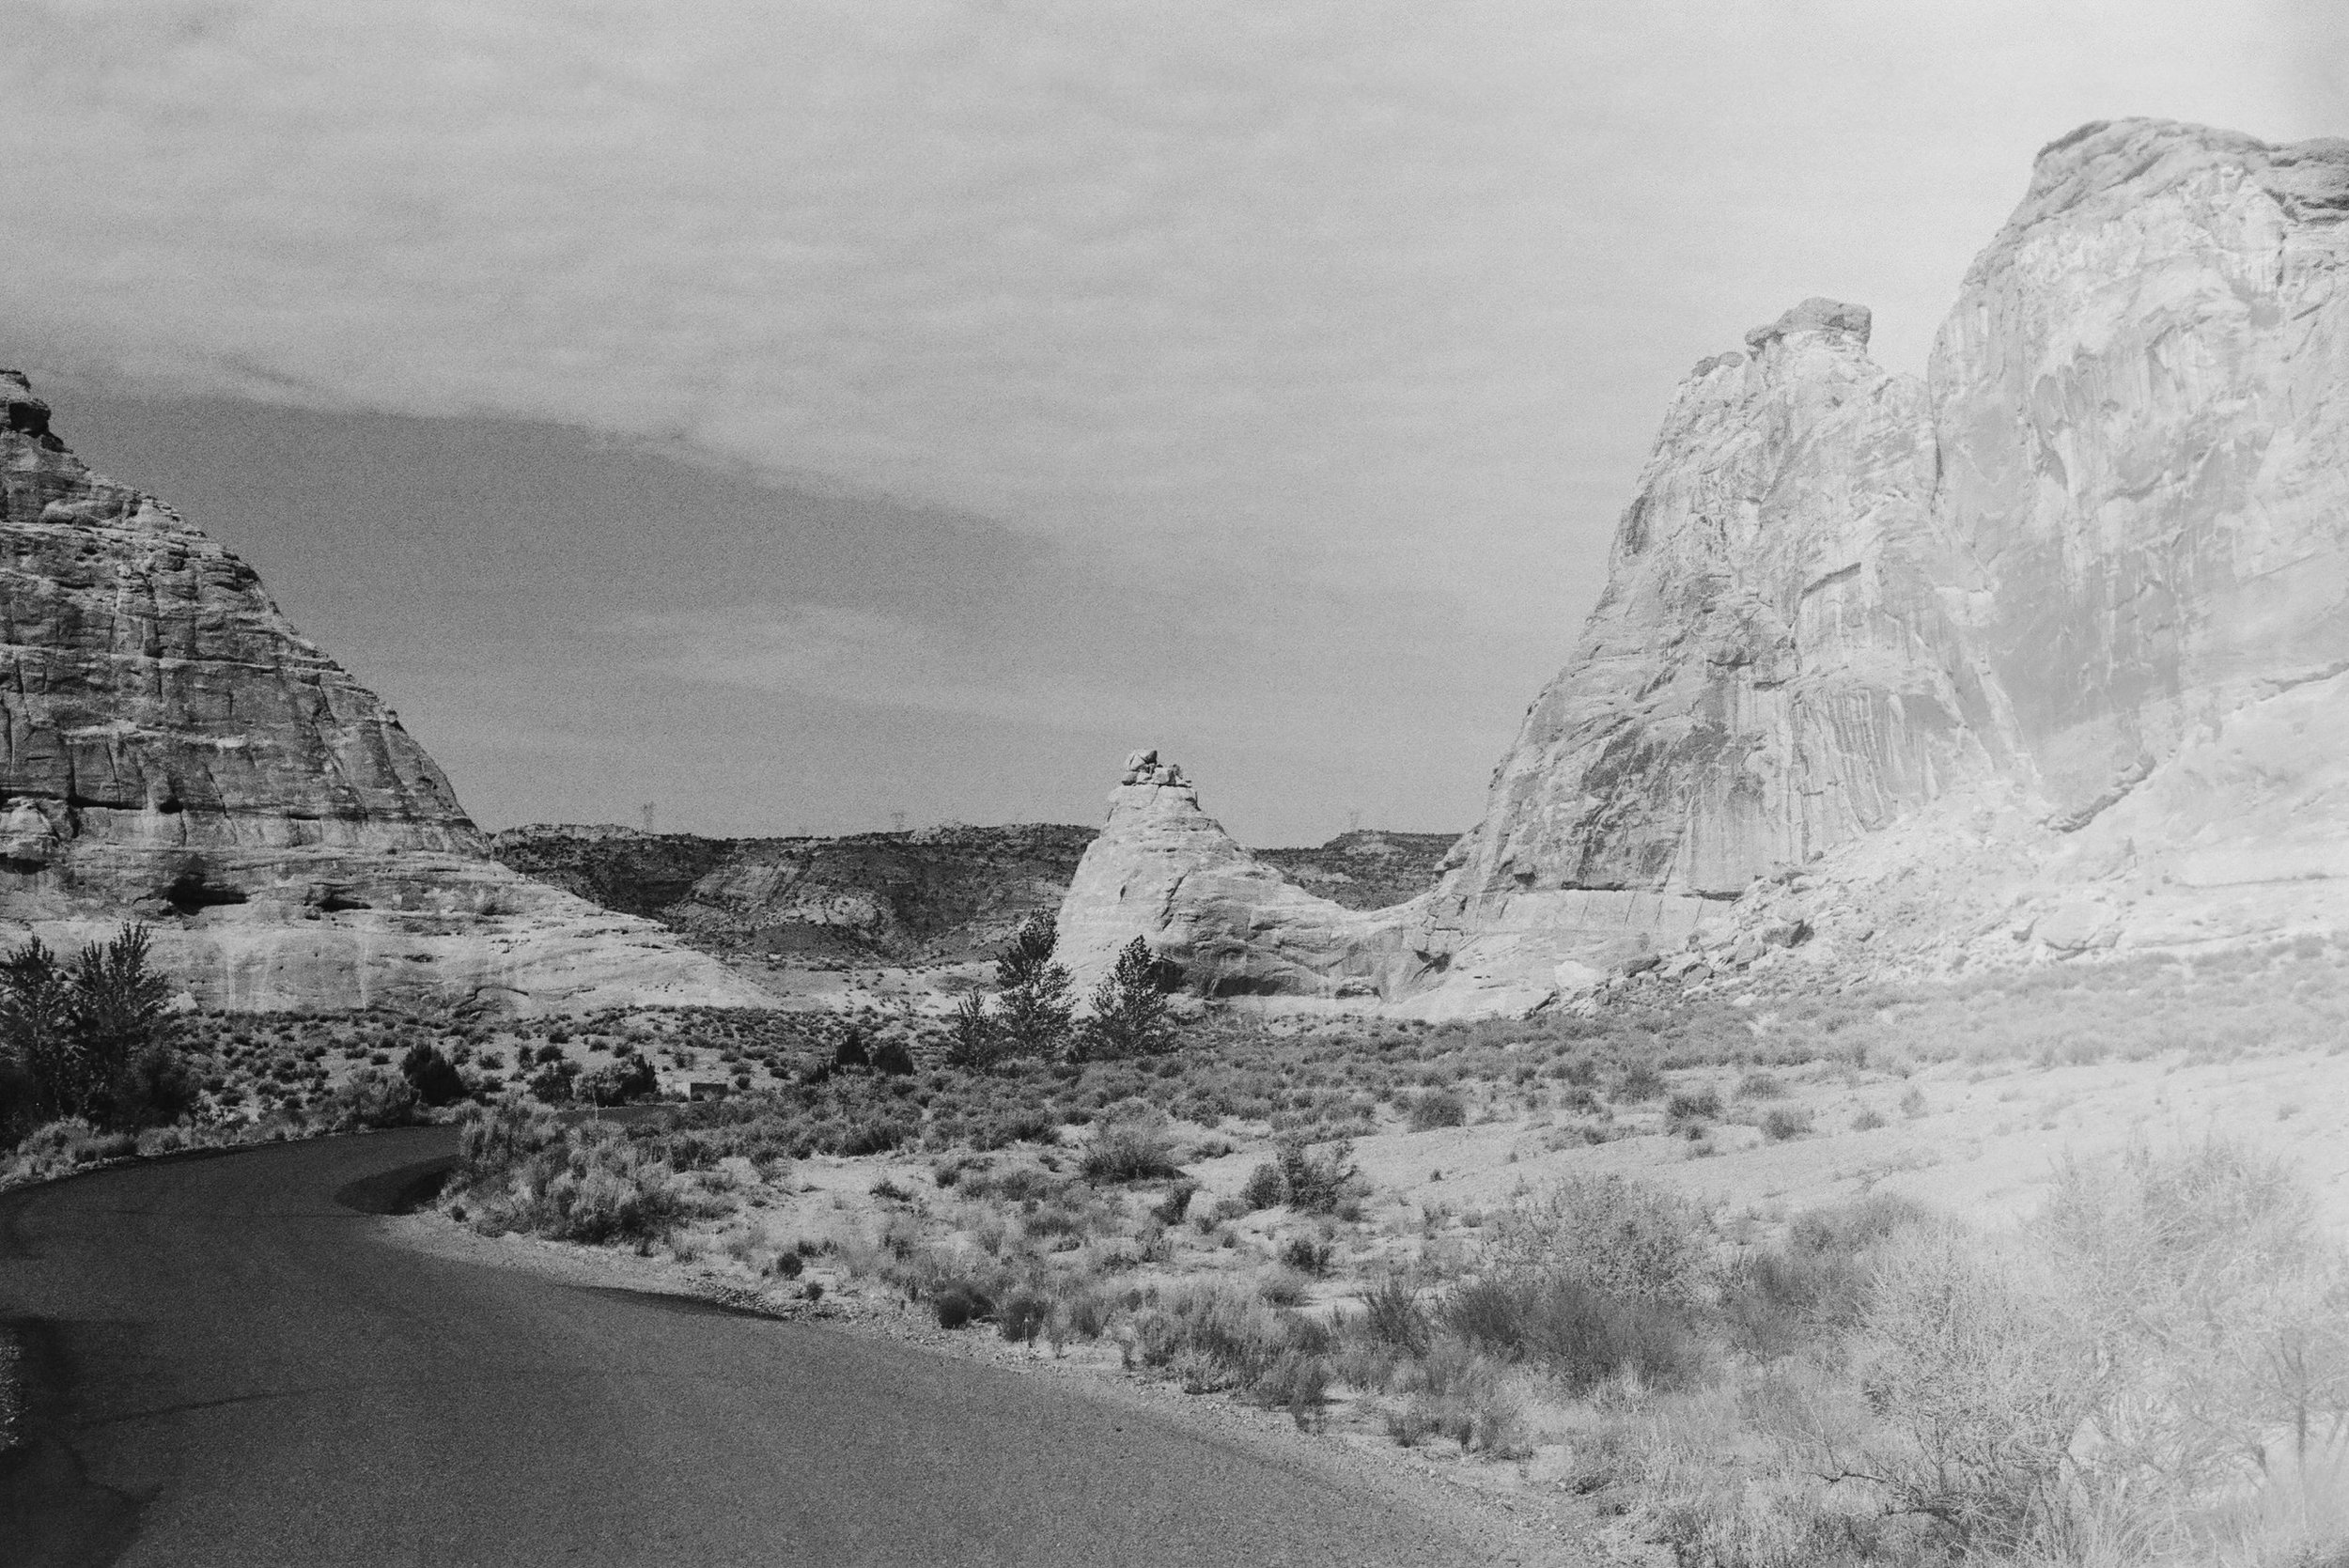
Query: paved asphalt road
{"points": [[228, 1365]]}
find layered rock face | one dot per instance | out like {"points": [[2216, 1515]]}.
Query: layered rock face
{"points": [[2038, 655], [2141, 401], [1772, 670], [177, 752]]}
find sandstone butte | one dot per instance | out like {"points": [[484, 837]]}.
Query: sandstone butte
{"points": [[178, 755], [2043, 655]]}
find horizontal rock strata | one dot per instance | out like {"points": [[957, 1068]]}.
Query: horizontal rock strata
{"points": [[176, 753]]}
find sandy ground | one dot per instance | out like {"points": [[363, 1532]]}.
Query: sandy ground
{"points": [[1982, 1143]]}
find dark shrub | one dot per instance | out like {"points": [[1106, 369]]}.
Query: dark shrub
{"points": [[1307, 1255], [157, 1087], [553, 1082], [850, 1051], [789, 1266], [1782, 1123], [435, 1075], [1020, 1317], [893, 1057], [1437, 1108], [1170, 1209], [957, 1304], [632, 1078]]}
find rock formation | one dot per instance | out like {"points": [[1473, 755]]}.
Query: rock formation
{"points": [[2046, 653], [1164, 870], [177, 752]]}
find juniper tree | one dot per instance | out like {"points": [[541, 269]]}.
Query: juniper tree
{"points": [[1032, 1010], [1130, 1008]]}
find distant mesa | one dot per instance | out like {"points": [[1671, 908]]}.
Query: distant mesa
{"points": [[2044, 654], [177, 754]]}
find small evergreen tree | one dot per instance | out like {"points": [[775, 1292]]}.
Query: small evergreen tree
{"points": [[1130, 1010], [1033, 1012], [37, 1026], [119, 1006], [973, 1041]]}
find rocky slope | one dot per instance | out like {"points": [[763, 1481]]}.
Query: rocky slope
{"points": [[1366, 868], [941, 895], [2046, 653], [177, 754]]}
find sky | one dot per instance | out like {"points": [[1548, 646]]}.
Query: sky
{"points": [[794, 414]]}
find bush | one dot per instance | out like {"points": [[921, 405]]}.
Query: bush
{"points": [[371, 1097], [1627, 1240], [1022, 1315], [1392, 1317], [1315, 1186], [1783, 1124], [1171, 1209], [1638, 1081], [1265, 1189], [1579, 1331], [892, 1059], [1127, 1152], [434, 1076], [957, 1304], [1307, 1255], [849, 1051], [619, 1082], [1437, 1108], [973, 1042]]}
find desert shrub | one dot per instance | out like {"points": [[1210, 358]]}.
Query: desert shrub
{"points": [[893, 1057], [1265, 1189], [1693, 1106], [370, 1097], [1437, 1108], [1454, 1392], [789, 1266], [1782, 1123], [1393, 1316], [1638, 1080], [1982, 1383], [1128, 1152], [632, 1078], [849, 1051], [1578, 1331], [2217, 1304], [957, 1303], [1629, 1239], [1776, 1299], [1022, 1316], [1170, 1209], [1315, 1186], [551, 1083], [433, 1076], [1308, 1255]]}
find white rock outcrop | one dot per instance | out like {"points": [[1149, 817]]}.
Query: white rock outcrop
{"points": [[2041, 656]]}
